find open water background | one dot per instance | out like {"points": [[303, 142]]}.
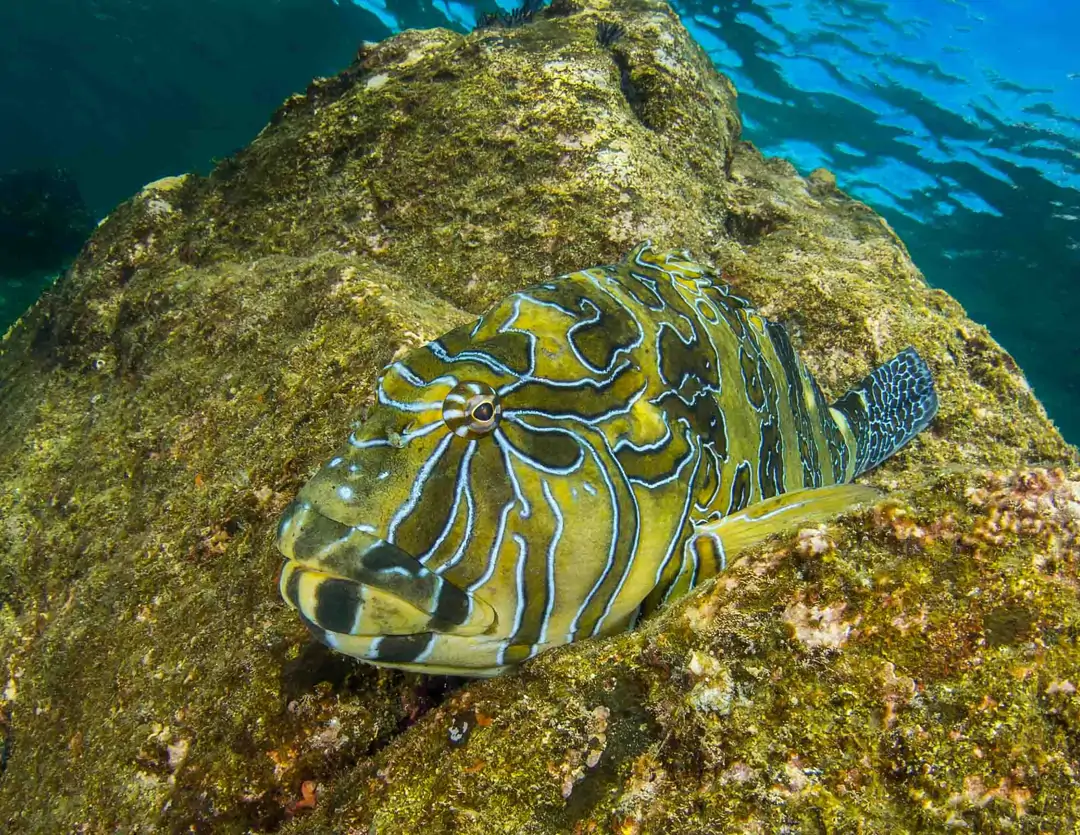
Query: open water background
{"points": [[957, 121]]}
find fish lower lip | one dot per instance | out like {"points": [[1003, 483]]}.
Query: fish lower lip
{"points": [[333, 570]]}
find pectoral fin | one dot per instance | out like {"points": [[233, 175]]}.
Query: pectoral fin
{"points": [[716, 544]]}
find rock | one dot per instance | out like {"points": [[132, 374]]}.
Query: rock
{"points": [[822, 178], [216, 337]]}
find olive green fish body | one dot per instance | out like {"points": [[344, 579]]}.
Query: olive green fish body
{"points": [[587, 449]]}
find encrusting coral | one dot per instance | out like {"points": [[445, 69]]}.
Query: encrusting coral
{"points": [[909, 666]]}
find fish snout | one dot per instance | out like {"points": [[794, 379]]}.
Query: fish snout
{"points": [[351, 586]]}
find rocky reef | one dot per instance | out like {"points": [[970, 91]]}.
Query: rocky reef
{"points": [[910, 666]]}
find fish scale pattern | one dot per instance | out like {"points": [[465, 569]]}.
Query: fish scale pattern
{"points": [[535, 477]]}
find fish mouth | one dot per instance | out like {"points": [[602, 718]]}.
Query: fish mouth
{"points": [[356, 592]]}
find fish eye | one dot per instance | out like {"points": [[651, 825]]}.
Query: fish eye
{"points": [[484, 412], [471, 409]]}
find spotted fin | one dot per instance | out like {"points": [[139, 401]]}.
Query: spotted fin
{"points": [[715, 544], [892, 405]]}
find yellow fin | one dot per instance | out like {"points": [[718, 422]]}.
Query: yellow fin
{"points": [[757, 522]]}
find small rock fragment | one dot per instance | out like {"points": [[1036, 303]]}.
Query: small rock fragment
{"points": [[818, 627]]}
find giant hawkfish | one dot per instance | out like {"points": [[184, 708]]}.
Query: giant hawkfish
{"points": [[586, 450]]}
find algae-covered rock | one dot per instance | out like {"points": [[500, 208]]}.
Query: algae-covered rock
{"points": [[911, 666]]}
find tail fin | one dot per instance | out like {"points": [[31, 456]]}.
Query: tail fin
{"points": [[892, 405]]}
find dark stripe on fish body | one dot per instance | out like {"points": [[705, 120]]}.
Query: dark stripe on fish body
{"points": [[710, 486], [808, 453], [771, 461], [451, 609], [511, 349], [292, 586], [840, 453], [529, 602], [402, 649], [612, 333], [775, 432], [750, 368], [834, 439], [709, 558], [682, 362], [768, 386], [731, 315], [536, 606], [706, 416], [855, 412], [559, 451], [719, 437], [643, 290], [337, 603], [741, 488]]}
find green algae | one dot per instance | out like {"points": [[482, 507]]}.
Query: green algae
{"points": [[218, 335], [859, 682]]}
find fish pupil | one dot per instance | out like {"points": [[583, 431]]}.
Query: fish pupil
{"points": [[484, 412]]}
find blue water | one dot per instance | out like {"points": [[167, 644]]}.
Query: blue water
{"points": [[958, 121]]}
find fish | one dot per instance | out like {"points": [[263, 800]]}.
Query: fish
{"points": [[585, 451]]}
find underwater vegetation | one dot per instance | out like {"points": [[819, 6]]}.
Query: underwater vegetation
{"points": [[507, 20], [911, 665], [607, 33]]}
